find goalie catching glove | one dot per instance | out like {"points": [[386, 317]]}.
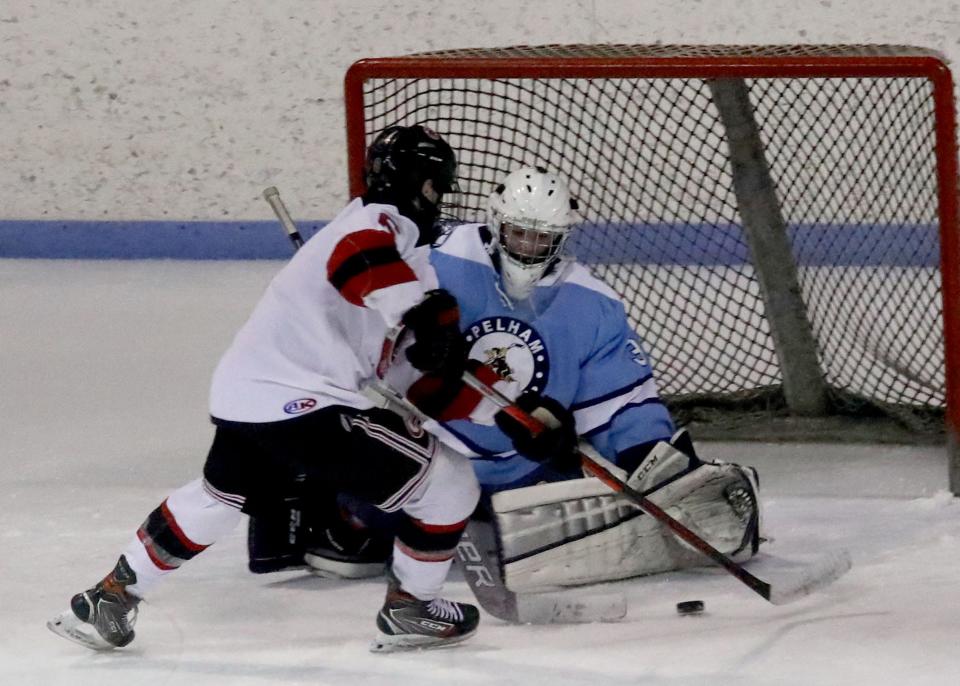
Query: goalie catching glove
{"points": [[438, 346], [556, 443]]}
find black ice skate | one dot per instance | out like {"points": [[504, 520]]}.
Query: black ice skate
{"points": [[405, 622], [342, 551], [101, 618]]}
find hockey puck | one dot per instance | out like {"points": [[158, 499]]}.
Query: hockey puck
{"points": [[690, 607]]}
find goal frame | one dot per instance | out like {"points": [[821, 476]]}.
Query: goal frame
{"points": [[710, 63]]}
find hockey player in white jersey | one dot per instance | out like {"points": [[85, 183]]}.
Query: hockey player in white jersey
{"points": [[286, 401], [560, 339]]}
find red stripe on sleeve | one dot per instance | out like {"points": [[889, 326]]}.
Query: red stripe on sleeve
{"points": [[382, 276], [370, 277], [355, 243]]}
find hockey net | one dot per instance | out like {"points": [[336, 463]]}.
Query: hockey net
{"points": [[686, 160]]}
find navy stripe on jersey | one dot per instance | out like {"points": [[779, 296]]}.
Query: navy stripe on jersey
{"points": [[606, 425], [366, 261], [612, 394]]}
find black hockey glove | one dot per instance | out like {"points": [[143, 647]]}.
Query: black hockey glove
{"points": [[556, 444], [438, 346]]}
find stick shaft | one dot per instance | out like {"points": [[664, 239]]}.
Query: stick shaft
{"points": [[272, 196]]}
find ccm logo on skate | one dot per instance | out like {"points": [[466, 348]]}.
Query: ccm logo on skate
{"points": [[298, 406]]}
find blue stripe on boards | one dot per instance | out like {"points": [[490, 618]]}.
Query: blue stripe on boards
{"points": [[656, 244], [816, 245], [147, 240]]}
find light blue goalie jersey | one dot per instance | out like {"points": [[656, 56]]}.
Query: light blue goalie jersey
{"points": [[570, 340]]}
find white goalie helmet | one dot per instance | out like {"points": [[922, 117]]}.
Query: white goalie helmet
{"points": [[530, 214]]}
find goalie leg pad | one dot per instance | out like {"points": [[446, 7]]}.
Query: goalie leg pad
{"points": [[579, 532]]}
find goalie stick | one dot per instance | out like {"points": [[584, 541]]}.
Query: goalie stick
{"points": [[477, 550], [811, 577]]}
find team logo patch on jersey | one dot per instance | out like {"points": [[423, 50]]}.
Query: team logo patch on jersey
{"points": [[300, 405], [512, 348]]}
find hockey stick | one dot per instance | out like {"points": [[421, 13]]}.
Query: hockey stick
{"points": [[812, 577], [272, 196]]}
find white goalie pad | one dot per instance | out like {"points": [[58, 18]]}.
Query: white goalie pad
{"points": [[579, 532]]}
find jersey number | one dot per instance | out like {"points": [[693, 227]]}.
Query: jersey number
{"points": [[636, 351]]}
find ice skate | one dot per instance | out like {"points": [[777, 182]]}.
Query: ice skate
{"points": [[406, 622], [345, 551], [101, 618]]}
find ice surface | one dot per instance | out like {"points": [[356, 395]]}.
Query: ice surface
{"points": [[105, 367]]}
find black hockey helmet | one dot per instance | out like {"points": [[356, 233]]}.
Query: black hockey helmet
{"points": [[400, 162]]}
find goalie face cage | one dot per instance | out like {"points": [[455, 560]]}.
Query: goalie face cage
{"points": [[781, 222]]}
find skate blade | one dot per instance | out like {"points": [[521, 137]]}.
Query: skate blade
{"points": [[70, 627], [384, 643], [334, 569], [352, 575]]}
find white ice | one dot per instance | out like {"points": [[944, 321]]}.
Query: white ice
{"points": [[104, 369]]}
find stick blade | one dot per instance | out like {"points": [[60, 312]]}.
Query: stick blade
{"points": [[570, 607], [478, 554], [810, 577]]}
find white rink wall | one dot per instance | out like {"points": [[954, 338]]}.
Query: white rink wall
{"points": [[184, 110]]}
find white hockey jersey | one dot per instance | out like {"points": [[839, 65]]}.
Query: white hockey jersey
{"points": [[315, 337]]}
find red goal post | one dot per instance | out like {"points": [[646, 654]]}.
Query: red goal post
{"points": [[781, 220]]}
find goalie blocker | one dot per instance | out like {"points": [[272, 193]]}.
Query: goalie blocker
{"points": [[576, 532]]}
